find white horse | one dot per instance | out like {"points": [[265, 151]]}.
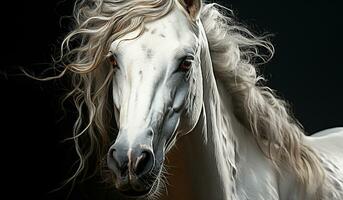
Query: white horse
{"points": [[172, 68]]}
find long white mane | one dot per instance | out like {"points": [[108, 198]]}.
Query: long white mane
{"points": [[234, 52]]}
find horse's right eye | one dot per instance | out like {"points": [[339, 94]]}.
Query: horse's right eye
{"points": [[186, 63], [113, 61]]}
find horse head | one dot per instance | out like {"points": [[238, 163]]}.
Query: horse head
{"points": [[157, 95]]}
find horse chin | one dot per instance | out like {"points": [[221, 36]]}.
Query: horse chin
{"points": [[149, 185], [141, 194]]}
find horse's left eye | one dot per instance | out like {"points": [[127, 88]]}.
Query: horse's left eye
{"points": [[113, 61], [186, 64]]}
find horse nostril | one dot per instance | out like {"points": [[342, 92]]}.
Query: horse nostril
{"points": [[118, 161], [112, 152], [144, 163]]}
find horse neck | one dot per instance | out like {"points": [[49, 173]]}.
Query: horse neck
{"points": [[194, 172]]}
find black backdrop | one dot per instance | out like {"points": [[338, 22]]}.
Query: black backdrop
{"points": [[306, 70]]}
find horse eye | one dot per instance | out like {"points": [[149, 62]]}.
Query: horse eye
{"points": [[186, 64], [113, 61]]}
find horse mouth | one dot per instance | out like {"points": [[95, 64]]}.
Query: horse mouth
{"points": [[131, 193], [138, 187], [136, 194]]}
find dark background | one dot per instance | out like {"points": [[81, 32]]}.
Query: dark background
{"points": [[306, 70]]}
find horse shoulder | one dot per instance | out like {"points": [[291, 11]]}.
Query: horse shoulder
{"points": [[328, 132], [327, 142], [328, 145]]}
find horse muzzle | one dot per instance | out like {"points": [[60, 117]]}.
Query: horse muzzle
{"points": [[133, 168]]}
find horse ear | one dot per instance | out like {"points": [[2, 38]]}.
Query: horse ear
{"points": [[193, 8]]}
